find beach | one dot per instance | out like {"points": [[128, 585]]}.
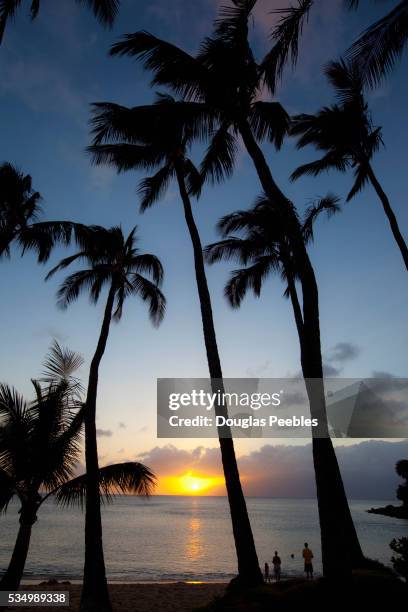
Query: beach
{"points": [[169, 597]]}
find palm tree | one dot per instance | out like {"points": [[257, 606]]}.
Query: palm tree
{"points": [[226, 80], [116, 263], [104, 10], [264, 249], [40, 450], [20, 211], [150, 137], [346, 135]]}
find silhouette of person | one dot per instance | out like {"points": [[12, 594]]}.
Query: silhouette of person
{"points": [[266, 573], [307, 555], [276, 561]]}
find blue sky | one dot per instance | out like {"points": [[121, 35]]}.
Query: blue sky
{"points": [[52, 70]]}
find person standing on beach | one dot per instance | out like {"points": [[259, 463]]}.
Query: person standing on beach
{"points": [[266, 573], [276, 561], [307, 555]]}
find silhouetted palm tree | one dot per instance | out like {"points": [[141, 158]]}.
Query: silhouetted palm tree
{"points": [[346, 135], [150, 137], [114, 262], [264, 249], [20, 212], [226, 80], [40, 450], [104, 10]]}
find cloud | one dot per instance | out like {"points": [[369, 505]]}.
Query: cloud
{"points": [[287, 471], [330, 370], [343, 351], [122, 425], [104, 433]]}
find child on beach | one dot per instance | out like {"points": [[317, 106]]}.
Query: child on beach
{"points": [[266, 573]]}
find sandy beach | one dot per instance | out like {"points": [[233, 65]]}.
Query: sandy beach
{"points": [[174, 597]]}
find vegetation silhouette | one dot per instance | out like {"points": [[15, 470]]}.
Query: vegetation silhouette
{"points": [[114, 262], [346, 135], [105, 11], [376, 50], [40, 449], [225, 79], [20, 211], [151, 137]]}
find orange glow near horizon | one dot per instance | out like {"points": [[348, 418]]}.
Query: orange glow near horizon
{"points": [[190, 484]]}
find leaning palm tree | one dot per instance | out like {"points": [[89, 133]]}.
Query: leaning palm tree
{"points": [[104, 10], [114, 262], [40, 448], [150, 137], [20, 213], [226, 81], [348, 138]]}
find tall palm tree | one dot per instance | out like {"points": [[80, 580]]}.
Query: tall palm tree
{"points": [[114, 262], [20, 213], [348, 138], [226, 80], [40, 450], [104, 10], [150, 137]]}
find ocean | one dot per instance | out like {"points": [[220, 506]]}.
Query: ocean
{"points": [[185, 538]]}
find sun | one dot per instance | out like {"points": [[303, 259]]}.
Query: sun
{"points": [[195, 484], [191, 484]]}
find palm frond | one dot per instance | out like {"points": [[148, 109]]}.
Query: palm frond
{"points": [[148, 263], [346, 79], [360, 181], [122, 478], [331, 161], [124, 156], [8, 10], [105, 11], [381, 45], [219, 159], [285, 37], [152, 188], [328, 205], [193, 178], [232, 248], [270, 120], [171, 66], [60, 364], [151, 294], [249, 278]]}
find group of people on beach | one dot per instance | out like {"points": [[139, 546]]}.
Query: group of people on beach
{"points": [[307, 555]]}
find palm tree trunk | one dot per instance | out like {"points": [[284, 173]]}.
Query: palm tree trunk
{"points": [[340, 546], [95, 595], [398, 237], [248, 566], [14, 573]]}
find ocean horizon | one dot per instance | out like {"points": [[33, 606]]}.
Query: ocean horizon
{"points": [[185, 538]]}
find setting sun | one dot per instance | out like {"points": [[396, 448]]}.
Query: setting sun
{"points": [[191, 484]]}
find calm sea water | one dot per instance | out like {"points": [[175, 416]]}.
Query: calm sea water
{"points": [[185, 538]]}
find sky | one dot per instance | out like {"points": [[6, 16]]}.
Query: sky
{"points": [[51, 71]]}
